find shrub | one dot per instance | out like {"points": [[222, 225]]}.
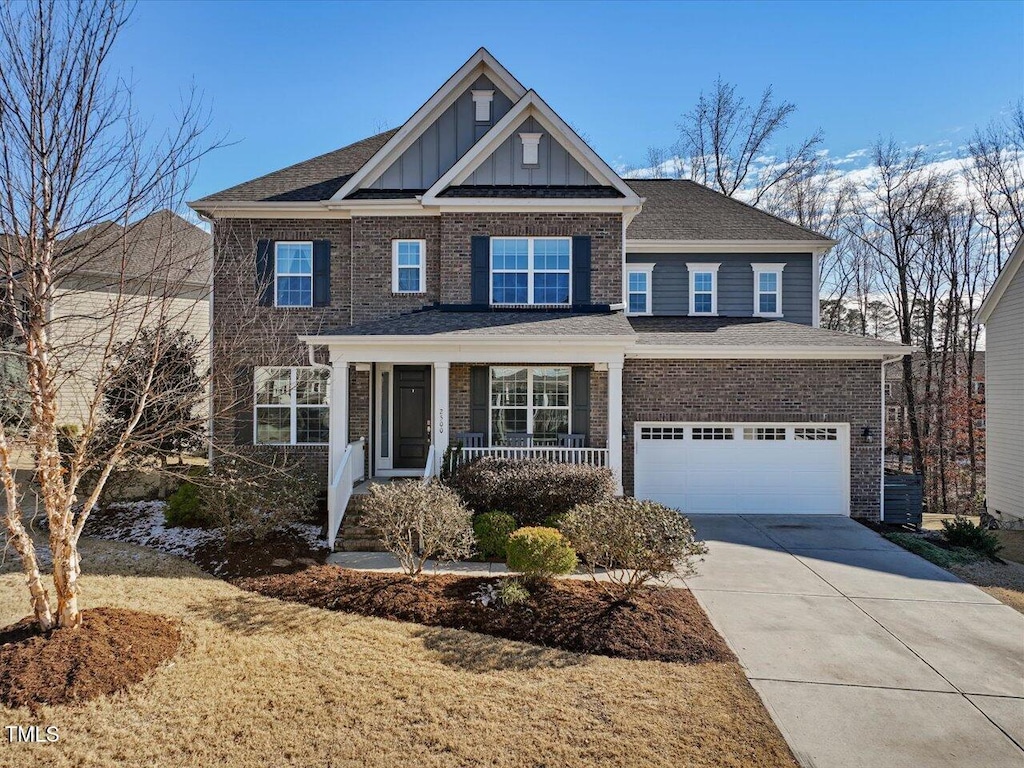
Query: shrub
{"points": [[248, 499], [555, 521], [492, 530], [635, 540], [540, 553], [530, 490], [186, 508], [417, 522], [923, 548], [961, 532], [512, 592]]}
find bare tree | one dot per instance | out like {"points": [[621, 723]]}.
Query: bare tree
{"points": [[728, 144], [77, 169]]}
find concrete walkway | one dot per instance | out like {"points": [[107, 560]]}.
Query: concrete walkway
{"points": [[865, 654]]}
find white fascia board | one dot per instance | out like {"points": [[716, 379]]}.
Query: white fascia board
{"points": [[525, 205], [1010, 269], [695, 352], [728, 246], [481, 62], [531, 105]]}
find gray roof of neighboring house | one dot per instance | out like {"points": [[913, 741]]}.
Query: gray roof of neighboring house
{"points": [[437, 322], [308, 181], [745, 332], [678, 209]]}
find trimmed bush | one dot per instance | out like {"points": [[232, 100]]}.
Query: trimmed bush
{"points": [[418, 522], [540, 553], [530, 490], [633, 539], [961, 532], [186, 508], [512, 592], [492, 530]]}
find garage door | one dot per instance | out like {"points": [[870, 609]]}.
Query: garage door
{"points": [[718, 468]]}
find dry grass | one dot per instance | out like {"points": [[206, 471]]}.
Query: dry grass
{"points": [[1004, 582], [261, 682]]}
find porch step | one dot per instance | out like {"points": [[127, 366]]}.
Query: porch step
{"points": [[354, 535]]}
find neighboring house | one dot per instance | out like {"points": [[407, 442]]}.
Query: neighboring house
{"points": [[481, 276], [1002, 313], [114, 280]]}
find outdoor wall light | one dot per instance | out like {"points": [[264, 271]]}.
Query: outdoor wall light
{"points": [[867, 435]]}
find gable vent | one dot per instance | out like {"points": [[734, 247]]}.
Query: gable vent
{"points": [[531, 148], [482, 101]]}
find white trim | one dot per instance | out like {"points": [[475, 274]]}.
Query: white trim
{"points": [[816, 289], [615, 423], [481, 62], [441, 420], [768, 269], [422, 265], [722, 352], [482, 105], [648, 270], [530, 406], [1009, 271], [531, 105], [292, 406], [692, 268], [277, 274], [530, 272], [728, 246], [348, 209]]}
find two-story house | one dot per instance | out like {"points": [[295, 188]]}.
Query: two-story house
{"points": [[480, 275]]}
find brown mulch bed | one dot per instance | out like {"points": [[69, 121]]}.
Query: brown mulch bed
{"points": [[280, 553], [113, 649], [658, 625]]}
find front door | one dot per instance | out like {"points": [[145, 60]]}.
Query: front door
{"points": [[412, 408]]}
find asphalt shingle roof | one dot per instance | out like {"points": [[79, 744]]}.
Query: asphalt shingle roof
{"points": [[745, 332], [678, 209], [308, 181], [436, 322]]}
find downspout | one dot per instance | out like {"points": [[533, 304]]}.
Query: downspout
{"points": [[881, 489], [209, 394]]}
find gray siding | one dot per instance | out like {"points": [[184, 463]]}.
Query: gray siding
{"points": [[1004, 401], [671, 282], [505, 165], [444, 142]]}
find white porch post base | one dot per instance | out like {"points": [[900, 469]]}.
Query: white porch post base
{"points": [[339, 415], [615, 423], [440, 420]]}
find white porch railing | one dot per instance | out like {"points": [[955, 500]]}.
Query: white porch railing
{"points": [[351, 470], [430, 469], [597, 457]]}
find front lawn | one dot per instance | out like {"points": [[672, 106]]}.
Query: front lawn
{"points": [[259, 682]]}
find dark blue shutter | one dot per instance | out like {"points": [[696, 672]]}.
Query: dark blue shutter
{"points": [[265, 272], [478, 395], [581, 270], [480, 292], [581, 400], [243, 404], [321, 273]]}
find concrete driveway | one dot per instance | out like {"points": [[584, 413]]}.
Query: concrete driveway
{"points": [[864, 653]]}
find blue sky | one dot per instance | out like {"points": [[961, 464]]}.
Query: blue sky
{"points": [[289, 80]]}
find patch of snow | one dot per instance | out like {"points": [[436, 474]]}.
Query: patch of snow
{"points": [[143, 523]]}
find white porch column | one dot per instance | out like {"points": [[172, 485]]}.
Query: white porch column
{"points": [[439, 421], [615, 422], [339, 414]]}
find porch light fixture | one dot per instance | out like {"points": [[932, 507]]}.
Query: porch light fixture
{"points": [[867, 435]]}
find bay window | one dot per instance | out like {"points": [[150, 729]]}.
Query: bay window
{"points": [[291, 406], [529, 401], [531, 270]]}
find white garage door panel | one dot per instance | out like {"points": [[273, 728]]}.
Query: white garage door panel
{"points": [[741, 476]]}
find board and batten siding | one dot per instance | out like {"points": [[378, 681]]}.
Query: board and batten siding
{"points": [[445, 141], [670, 286], [556, 166], [1004, 402]]}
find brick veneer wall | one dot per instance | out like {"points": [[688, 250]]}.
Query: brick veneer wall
{"points": [[604, 229], [763, 390], [371, 264]]}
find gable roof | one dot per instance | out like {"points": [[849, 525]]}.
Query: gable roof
{"points": [[309, 181], [679, 209], [439, 322], [1006, 275]]}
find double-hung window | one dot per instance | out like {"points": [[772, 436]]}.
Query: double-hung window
{"points": [[291, 406], [639, 278], [293, 274], [703, 288], [531, 270], [408, 266], [768, 289], [531, 401]]}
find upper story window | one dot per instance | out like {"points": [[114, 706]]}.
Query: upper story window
{"points": [[768, 289], [291, 406], [703, 288], [293, 273], [408, 266], [531, 270], [978, 386], [639, 279]]}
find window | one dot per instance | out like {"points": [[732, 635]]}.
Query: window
{"points": [[815, 433], [530, 270], [408, 266], [662, 433], [764, 433], [291, 406], [978, 385], [639, 278], [979, 423], [532, 401], [703, 288], [888, 389], [293, 272], [768, 289], [711, 433]]}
